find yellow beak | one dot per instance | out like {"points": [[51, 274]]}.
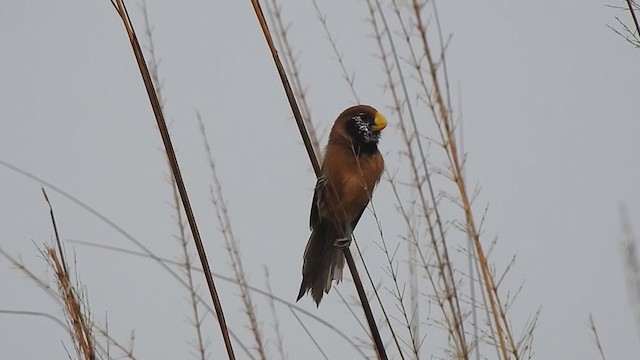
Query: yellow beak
{"points": [[379, 123]]}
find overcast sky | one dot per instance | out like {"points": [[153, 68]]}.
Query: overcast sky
{"points": [[549, 98]]}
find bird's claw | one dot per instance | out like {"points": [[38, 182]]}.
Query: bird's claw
{"points": [[342, 243]]}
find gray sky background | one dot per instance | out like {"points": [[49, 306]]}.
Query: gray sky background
{"points": [[549, 98]]}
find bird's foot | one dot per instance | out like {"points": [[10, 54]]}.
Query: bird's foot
{"points": [[343, 243]]}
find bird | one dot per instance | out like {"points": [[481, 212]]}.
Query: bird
{"points": [[351, 169]]}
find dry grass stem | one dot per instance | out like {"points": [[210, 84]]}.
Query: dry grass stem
{"points": [[447, 297], [83, 338], [194, 296], [37, 314], [274, 10], [150, 255], [596, 338], [153, 62], [633, 6], [398, 292], [184, 197], [631, 35], [631, 263], [127, 352], [501, 324], [349, 78], [274, 314], [55, 230], [313, 339], [385, 316], [197, 318], [231, 245], [77, 315]]}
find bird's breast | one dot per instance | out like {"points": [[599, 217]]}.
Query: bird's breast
{"points": [[354, 179]]}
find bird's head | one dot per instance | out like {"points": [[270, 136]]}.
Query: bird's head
{"points": [[361, 125]]}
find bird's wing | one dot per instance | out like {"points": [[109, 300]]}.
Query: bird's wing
{"points": [[371, 169], [320, 185], [357, 218]]}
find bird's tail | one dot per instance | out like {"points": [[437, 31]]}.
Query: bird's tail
{"points": [[323, 262]]}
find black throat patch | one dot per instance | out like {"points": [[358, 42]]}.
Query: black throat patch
{"points": [[364, 140]]}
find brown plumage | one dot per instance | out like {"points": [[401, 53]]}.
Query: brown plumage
{"points": [[351, 169]]}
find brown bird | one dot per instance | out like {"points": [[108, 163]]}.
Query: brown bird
{"points": [[351, 169]]}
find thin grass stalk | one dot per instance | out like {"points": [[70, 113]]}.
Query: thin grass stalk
{"points": [[354, 300], [55, 320], [432, 107], [154, 64], [349, 306], [414, 291], [450, 143], [377, 295], [39, 282], [198, 319], [316, 167], [525, 345], [399, 296], [414, 251], [443, 58], [449, 137], [503, 329], [274, 314], [350, 79], [439, 297], [287, 88], [443, 259], [313, 339], [453, 317], [274, 10], [596, 337], [106, 350], [485, 303], [184, 197], [630, 4], [631, 263], [472, 264], [55, 230], [231, 245], [37, 314], [150, 255], [126, 353], [366, 269], [59, 322]]}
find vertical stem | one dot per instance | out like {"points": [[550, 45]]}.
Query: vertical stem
{"points": [[316, 167], [173, 161]]}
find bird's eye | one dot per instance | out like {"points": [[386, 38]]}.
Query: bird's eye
{"points": [[362, 118]]}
